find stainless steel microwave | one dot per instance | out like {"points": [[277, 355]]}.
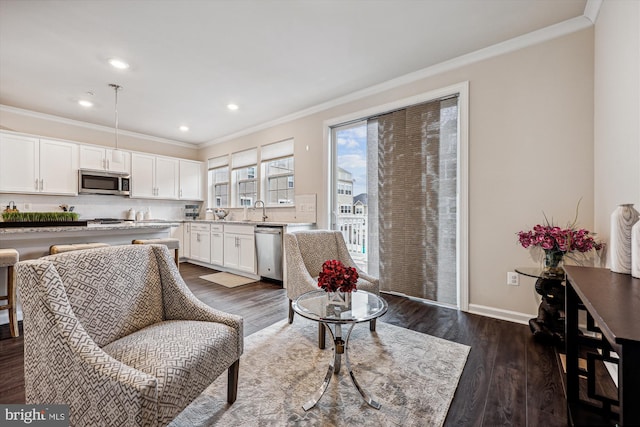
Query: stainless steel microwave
{"points": [[101, 182]]}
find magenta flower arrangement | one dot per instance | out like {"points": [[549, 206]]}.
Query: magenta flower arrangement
{"points": [[336, 277], [556, 239], [558, 242]]}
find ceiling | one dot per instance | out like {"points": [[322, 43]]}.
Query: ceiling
{"points": [[190, 58]]}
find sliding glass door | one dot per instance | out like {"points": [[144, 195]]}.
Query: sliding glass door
{"points": [[395, 197]]}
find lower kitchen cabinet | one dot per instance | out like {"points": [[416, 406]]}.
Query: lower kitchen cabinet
{"points": [[240, 248], [201, 242]]}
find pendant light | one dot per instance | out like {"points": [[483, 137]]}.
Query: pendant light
{"points": [[116, 155]]}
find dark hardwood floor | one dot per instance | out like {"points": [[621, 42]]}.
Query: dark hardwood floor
{"points": [[509, 378]]}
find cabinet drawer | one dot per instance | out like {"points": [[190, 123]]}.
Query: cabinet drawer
{"points": [[201, 228], [238, 229], [217, 228]]}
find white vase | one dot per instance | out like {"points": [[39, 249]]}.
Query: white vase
{"points": [[635, 250], [622, 220]]}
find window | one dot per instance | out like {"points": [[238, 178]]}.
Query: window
{"points": [[244, 177], [279, 188], [219, 182], [246, 186], [402, 166], [277, 172]]}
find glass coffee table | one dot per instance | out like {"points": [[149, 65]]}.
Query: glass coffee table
{"points": [[362, 307]]}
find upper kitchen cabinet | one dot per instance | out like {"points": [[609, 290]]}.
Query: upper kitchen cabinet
{"points": [[190, 180], [32, 165], [154, 177], [98, 158]]}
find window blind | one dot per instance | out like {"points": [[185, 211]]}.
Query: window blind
{"points": [[244, 158], [277, 150]]}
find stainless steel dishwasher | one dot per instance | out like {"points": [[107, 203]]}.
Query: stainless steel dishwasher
{"points": [[269, 251]]}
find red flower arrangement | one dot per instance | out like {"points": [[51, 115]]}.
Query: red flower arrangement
{"points": [[335, 277], [552, 238]]}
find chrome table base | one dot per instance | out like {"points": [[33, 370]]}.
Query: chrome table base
{"points": [[339, 347]]}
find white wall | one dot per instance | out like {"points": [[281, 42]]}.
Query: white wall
{"points": [[531, 150], [617, 109]]}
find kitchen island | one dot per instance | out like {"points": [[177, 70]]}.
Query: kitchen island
{"points": [[34, 242]]}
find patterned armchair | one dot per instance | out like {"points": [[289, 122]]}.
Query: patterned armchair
{"points": [[306, 251], [116, 334]]}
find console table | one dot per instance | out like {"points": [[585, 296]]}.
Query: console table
{"points": [[613, 301]]}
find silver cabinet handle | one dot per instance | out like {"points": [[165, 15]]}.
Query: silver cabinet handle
{"points": [[41, 184], [107, 163], [36, 185]]}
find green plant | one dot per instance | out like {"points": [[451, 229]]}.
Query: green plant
{"points": [[39, 216]]}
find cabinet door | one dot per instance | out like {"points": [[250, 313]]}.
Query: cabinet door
{"points": [[167, 178], [246, 253], [231, 250], [190, 180], [200, 246], [217, 248], [143, 175], [19, 158], [92, 158], [119, 163], [58, 167]]}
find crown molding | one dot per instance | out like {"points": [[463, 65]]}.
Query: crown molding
{"points": [[91, 126], [539, 36], [592, 9]]}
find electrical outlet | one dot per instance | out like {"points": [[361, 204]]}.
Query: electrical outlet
{"points": [[513, 279], [27, 206]]}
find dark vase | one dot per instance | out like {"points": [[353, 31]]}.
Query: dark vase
{"points": [[553, 263]]}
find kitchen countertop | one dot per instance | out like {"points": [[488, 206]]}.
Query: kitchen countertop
{"points": [[240, 222], [127, 225]]}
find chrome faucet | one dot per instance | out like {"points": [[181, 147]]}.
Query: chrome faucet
{"points": [[264, 214]]}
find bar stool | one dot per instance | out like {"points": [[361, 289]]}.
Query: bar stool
{"points": [[58, 249], [171, 243], [8, 258]]}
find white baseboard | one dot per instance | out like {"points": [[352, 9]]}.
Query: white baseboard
{"points": [[498, 313]]}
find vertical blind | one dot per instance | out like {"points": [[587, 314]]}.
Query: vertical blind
{"points": [[411, 173]]}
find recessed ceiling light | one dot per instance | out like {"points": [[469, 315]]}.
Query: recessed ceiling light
{"points": [[184, 128], [232, 107], [85, 103], [118, 63]]}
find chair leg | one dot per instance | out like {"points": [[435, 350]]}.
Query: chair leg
{"points": [[372, 325], [232, 382], [321, 336], [291, 312], [177, 257], [11, 302]]}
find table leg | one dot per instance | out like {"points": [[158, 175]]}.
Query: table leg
{"points": [[340, 347], [330, 371], [365, 396]]}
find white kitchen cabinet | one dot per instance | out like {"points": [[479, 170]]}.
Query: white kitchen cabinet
{"points": [[98, 158], [154, 177], [42, 166], [201, 242], [190, 180], [240, 248], [217, 244]]}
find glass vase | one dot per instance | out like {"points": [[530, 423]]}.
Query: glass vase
{"points": [[339, 298], [553, 264]]}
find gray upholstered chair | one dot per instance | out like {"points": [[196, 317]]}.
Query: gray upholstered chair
{"points": [[116, 334], [306, 251]]}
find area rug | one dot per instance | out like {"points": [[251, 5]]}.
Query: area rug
{"points": [[414, 376], [227, 279]]}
